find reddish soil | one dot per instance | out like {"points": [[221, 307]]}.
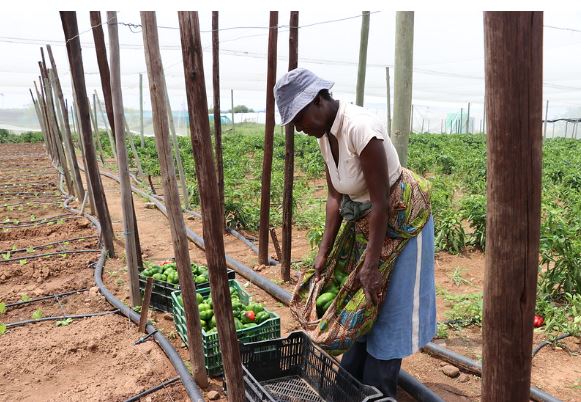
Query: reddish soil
{"points": [[100, 347]]}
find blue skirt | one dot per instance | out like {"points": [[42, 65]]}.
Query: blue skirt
{"points": [[407, 318]]}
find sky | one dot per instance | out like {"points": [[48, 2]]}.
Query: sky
{"points": [[448, 56]]}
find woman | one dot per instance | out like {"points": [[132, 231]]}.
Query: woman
{"points": [[368, 186]]}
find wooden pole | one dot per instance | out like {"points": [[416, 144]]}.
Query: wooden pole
{"points": [[145, 305], [73, 43], [47, 133], [232, 108], [141, 110], [468, 119], [209, 197], [217, 112], [289, 159], [158, 94], [513, 43], [96, 128], [176, 147], [129, 224], [51, 113], [402, 96], [70, 148], [268, 142], [134, 151], [101, 51], [360, 89], [388, 101], [109, 129], [546, 118]]}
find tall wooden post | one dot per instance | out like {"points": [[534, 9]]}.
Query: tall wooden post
{"points": [[158, 94], [70, 148], [211, 219], [73, 43], [101, 51], [217, 112], [402, 93], [141, 110], [513, 43], [289, 157], [268, 142], [388, 101], [176, 148], [362, 69], [129, 224]]}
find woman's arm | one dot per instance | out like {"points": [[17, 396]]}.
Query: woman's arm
{"points": [[332, 224], [374, 166]]}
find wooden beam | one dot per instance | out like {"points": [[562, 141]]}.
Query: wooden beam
{"points": [[104, 73], [158, 94], [129, 223], [362, 66], [217, 111], [73, 43], [211, 220], [68, 140], [513, 43], [289, 159], [403, 77], [268, 142]]}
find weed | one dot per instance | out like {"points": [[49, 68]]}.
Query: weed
{"points": [[457, 278]]}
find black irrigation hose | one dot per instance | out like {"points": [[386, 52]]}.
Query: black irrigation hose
{"points": [[416, 389], [51, 244], [35, 193], [55, 296], [40, 222], [27, 204], [29, 257], [60, 318], [474, 367], [547, 342], [152, 389]]}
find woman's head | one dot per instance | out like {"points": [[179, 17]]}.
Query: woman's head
{"points": [[304, 100]]}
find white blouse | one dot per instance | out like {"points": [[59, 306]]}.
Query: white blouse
{"points": [[354, 127]]}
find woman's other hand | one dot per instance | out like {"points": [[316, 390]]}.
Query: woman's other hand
{"points": [[370, 279], [319, 264]]}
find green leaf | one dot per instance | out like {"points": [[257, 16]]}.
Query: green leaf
{"points": [[2, 328], [6, 256], [64, 323], [2, 308], [23, 262], [30, 250], [24, 297], [37, 314]]}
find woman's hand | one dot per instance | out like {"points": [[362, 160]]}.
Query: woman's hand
{"points": [[370, 279], [319, 264]]}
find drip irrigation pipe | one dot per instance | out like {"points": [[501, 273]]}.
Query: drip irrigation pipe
{"points": [[55, 296], [60, 318], [152, 389], [50, 244], [416, 389], [474, 367], [547, 342], [28, 204], [39, 223], [35, 193], [29, 257]]}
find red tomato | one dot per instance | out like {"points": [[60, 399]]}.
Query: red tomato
{"points": [[250, 315], [538, 321]]}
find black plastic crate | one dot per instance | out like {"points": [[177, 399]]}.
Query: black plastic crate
{"points": [[161, 291], [295, 369]]}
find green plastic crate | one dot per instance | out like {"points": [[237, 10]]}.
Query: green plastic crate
{"points": [[268, 329]]}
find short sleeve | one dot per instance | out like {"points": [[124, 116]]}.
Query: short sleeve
{"points": [[361, 134]]}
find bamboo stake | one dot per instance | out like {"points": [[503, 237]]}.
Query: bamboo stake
{"points": [[129, 223], [217, 112], [158, 94], [513, 44], [209, 197], [289, 161], [268, 142], [360, 89], [71, 30]]}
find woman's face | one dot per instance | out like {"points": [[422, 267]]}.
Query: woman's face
{"points": [[311, 119]]}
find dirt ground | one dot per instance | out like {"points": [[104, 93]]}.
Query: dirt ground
{"points": [[103, 346]]}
